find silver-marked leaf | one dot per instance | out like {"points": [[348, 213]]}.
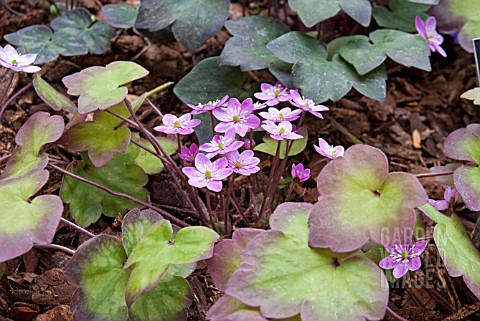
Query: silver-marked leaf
{"points": [[26, 221], [364, 201], [157, 250], [284, 276], [192, 21], [40, 40], [102, 137], [404, 48], [248, 46], [53, 97], [101, 87], [134, 226], [321, 79], [120, 15], [88, 203], [401, 15], [459, 254], [81, 24], [97, 271], [38, 130], [314, 11], [464, 144]]}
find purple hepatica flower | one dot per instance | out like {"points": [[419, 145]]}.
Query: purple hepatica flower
{"points": [[307, 104], [273, 94], [447, 198], [222, 144], [327, 150], [258, 105], [206, 173], [182, 125], [188, 154], [403, 257], [211, 105], [299, 172], [237, 116], [277, 116], [282, 131], [11, 59], [427, 31], [244, 163]]}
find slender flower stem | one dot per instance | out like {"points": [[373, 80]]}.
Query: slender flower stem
{"points": [[270, 178], [155, 108], [7, 88], [227, 200], [4, 158], [119, 194], [290, 190], [212, 120], [14, 96], [239, 209], [75, 227], [394, 315], [209, 207], [424, 175], [55, 247]]}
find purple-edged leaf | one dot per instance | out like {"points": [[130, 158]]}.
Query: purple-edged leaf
{"points": [[98, 87], [87, 202], [446, 180], [459, 254], [97, 271], [134, 226], [359, 200], [400, 14], [231, 309], [314, 11], [38, 130], [227, 256], [25, 221], [157, 250], [167, 301], [285, 277], [52, 97], [102, 138], [464, 144]]}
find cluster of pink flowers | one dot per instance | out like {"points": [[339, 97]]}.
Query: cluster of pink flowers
{"points": [[235, 120]]}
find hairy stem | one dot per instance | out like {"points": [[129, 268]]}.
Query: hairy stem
{"points": [[14, 96], [423, 175], [270, 180], [55, 247], [75, 227], [119, 194]]}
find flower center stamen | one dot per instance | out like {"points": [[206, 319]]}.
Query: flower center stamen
{"points": [[238, 164], [281, 131], [208, 174], [221, 145], [176, 124], [236, 118]]}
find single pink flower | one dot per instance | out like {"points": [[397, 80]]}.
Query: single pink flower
{"points": [[211, 105], [182, 125], [244, 163], [300, 173], [188, 154], [277, 116], [427, 31], [273, 94], [403, 257], [327, 150], [11, 59], [237, 116], [222, 144], [449, 195], [282, 131], [307, 104], [207, 174]]}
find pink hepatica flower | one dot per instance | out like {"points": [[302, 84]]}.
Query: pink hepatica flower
{"points": [[211, 105], [244, 163], [403, 257], [207, 174], [282, 131], [307, 104], [237, 116], [299, 172], [327, 150], [273, 94], [277, 116], [11, 59], [182, 125], [427, 31], [188, 154], [222, 144], [447, 198]]}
